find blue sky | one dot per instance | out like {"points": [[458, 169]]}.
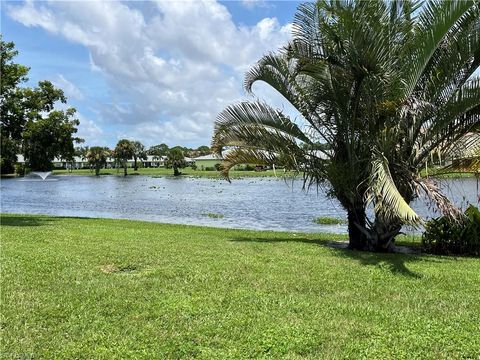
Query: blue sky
{"points": [[156, 71]]}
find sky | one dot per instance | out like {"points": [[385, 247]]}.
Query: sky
{"points": [[153, 71]]}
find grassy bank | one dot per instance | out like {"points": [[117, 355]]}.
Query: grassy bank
{"points": [[212, 174], [169, 172], [116, 289]]}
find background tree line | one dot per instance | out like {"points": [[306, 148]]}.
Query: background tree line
{"points": [[125, 150]]}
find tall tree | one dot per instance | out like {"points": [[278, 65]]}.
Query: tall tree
{"points": [[11, 121], [48, 137], [158, 150], [383, 84], [97, 157], [28, 118], [200, 151], [138, 153], [123, 152]]}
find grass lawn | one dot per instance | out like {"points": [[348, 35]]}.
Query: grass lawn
{"points": [[76, 288], [169, 172]]}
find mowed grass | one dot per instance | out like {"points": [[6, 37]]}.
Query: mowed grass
{"points": [[75, 288], [185, 172]]}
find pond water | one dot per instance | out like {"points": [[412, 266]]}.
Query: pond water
{"points": [[253, 203]]}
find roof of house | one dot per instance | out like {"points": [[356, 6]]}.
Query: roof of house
{"points": [[208, 157]]}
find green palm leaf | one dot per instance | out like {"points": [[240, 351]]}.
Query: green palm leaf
{"points": [[437, 19], [383, 192]]}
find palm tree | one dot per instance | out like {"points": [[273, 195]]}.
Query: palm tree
{"points": [[139, 152], [97, 157], [379, 86], [123, 151], [176, 160]]}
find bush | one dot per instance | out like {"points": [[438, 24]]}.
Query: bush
{"points": [[209, 168], [249, 167], [443, 236], [193, 166], [20, 169]]}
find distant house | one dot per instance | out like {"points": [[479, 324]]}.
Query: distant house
{"points": [[82, 163], [77, 163], [154, 161], [20, 159], [207, 161], [189, 161]]}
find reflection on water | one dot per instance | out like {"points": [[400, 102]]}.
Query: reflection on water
{"points": [[255, 203]]}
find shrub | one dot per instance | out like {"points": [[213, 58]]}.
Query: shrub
{"points": [[193, 166], [209, 168], [20, 169], [217, 166], [444, 236]]}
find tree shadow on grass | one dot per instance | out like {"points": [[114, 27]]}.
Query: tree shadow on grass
{"points": [[24, 220], [393, 262]]}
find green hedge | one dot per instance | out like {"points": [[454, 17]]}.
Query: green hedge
{"points": [[444, 236]]}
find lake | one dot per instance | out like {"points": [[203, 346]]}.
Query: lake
{"points": [[253, 203]]}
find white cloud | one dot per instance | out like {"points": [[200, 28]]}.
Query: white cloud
{"points": [[90, 131], [251, 4], [168, 76], [70, 89]]}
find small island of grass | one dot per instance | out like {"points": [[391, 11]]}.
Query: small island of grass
{"points": [[326, 220]]}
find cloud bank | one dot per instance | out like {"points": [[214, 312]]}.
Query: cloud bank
{"points": [[170, 66]]}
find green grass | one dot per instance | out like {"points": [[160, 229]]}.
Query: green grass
{"points": [[76, 288], [326, 220], [169, 172], [436, 172]]}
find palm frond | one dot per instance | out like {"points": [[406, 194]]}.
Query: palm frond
{"points": [[441, 202], [246, 119], [383, 192], [239, 156], [436, 20], [281, 73]]}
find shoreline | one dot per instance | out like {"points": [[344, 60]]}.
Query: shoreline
{"points": [[234, 174]]}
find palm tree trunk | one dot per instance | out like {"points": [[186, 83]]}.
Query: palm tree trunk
{"points": [[383, 235], [97, 170], [356, 222], [135, 167], [124, 168], [175, 170]]}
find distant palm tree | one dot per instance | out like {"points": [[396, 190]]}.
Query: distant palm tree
{"points": [[176, 160], [123, 152], [139, 152], [379, 86], [97, 157]]}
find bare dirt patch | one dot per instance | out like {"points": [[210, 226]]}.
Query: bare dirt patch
{"points": [[115, 269]]}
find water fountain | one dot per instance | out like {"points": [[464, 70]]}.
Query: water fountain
{"points": [[42, 174]]}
